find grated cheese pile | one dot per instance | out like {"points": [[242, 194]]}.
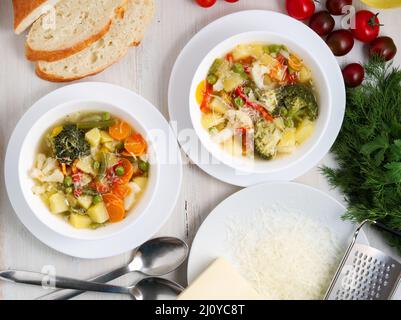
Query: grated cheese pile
{"points": [[285, 255]]}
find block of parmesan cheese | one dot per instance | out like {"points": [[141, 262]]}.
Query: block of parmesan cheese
{"points": [[220, 281]]}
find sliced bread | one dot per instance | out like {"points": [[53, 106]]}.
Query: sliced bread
{"points": [[27, 12], [76, 24], [128, 28]]}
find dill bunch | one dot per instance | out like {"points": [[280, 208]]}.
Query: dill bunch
{"points": [[368, 149]]}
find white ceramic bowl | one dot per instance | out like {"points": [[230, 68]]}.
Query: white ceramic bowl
{"points": [[29, 151], [324, 99]]}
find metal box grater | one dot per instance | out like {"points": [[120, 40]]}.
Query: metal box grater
{"points": [[365, 273]]}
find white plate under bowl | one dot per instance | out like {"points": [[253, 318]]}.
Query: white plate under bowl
{"points": [[155, 213], [211, 241], [198, 48]]}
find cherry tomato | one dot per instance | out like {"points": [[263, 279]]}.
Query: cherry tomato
{"points": [[335, 7], [300, 9], [353, 75], [367, 26], [322, 23], [340, 42], [206, 3], [383, 46]]}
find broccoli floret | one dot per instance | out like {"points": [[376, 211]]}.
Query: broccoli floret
{"points": [[70, 144], [296, 102], [266, 139]]}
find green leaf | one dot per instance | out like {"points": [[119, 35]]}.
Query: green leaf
{"points": [[380, 142], [395, 151], [393, 171]]}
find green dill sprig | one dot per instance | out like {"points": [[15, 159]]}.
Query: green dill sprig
{"points": [[368, 148]]}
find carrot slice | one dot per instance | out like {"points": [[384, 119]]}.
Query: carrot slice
{"points": [[110, 198], [200, 91], [114, 206], [135, 144], [116, 211], [120, 130], [121, 190], [128, 171]]}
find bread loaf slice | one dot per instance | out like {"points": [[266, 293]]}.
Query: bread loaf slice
{"points": [[75, 24], [27, 12], [128, 28]]}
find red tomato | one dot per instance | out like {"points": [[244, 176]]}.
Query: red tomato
{"points": [[206, 3], [367, 26], [336, 7], [353, 75], [340, 42], [384, 47], [322, 23], [300, 9]]}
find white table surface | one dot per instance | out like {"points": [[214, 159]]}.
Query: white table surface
{"points": [[145, 70]]}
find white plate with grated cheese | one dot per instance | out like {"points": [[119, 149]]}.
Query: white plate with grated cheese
{"points": [[285, 238]]}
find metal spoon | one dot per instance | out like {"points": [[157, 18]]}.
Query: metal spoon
{"points": [[151, 288], [155, 257]]}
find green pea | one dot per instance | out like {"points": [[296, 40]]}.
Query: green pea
{"points": [[213, 130], [96, 199], [120, 171], [67, 181], [283, 112], [96, 165], [238, 68], [144, 166], [212, 79], [238, 101], [106, 116]]}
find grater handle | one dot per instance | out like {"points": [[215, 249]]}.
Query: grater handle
{"points": [[382, 226]]}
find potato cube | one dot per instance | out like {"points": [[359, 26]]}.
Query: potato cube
{"points": [[304, 131], [93, 137], [98, 213], [80, 221], [86, 165], [85, 201], [217, 106], [210, 120], [141, 182], [233, 81], [105, 137], [58, 203]]}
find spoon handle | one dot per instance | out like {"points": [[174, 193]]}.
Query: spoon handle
{"points": [[40, 279], [65, 294]]}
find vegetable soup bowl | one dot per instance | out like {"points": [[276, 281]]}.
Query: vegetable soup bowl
{"points": [[29, 151], [324, 97]]}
